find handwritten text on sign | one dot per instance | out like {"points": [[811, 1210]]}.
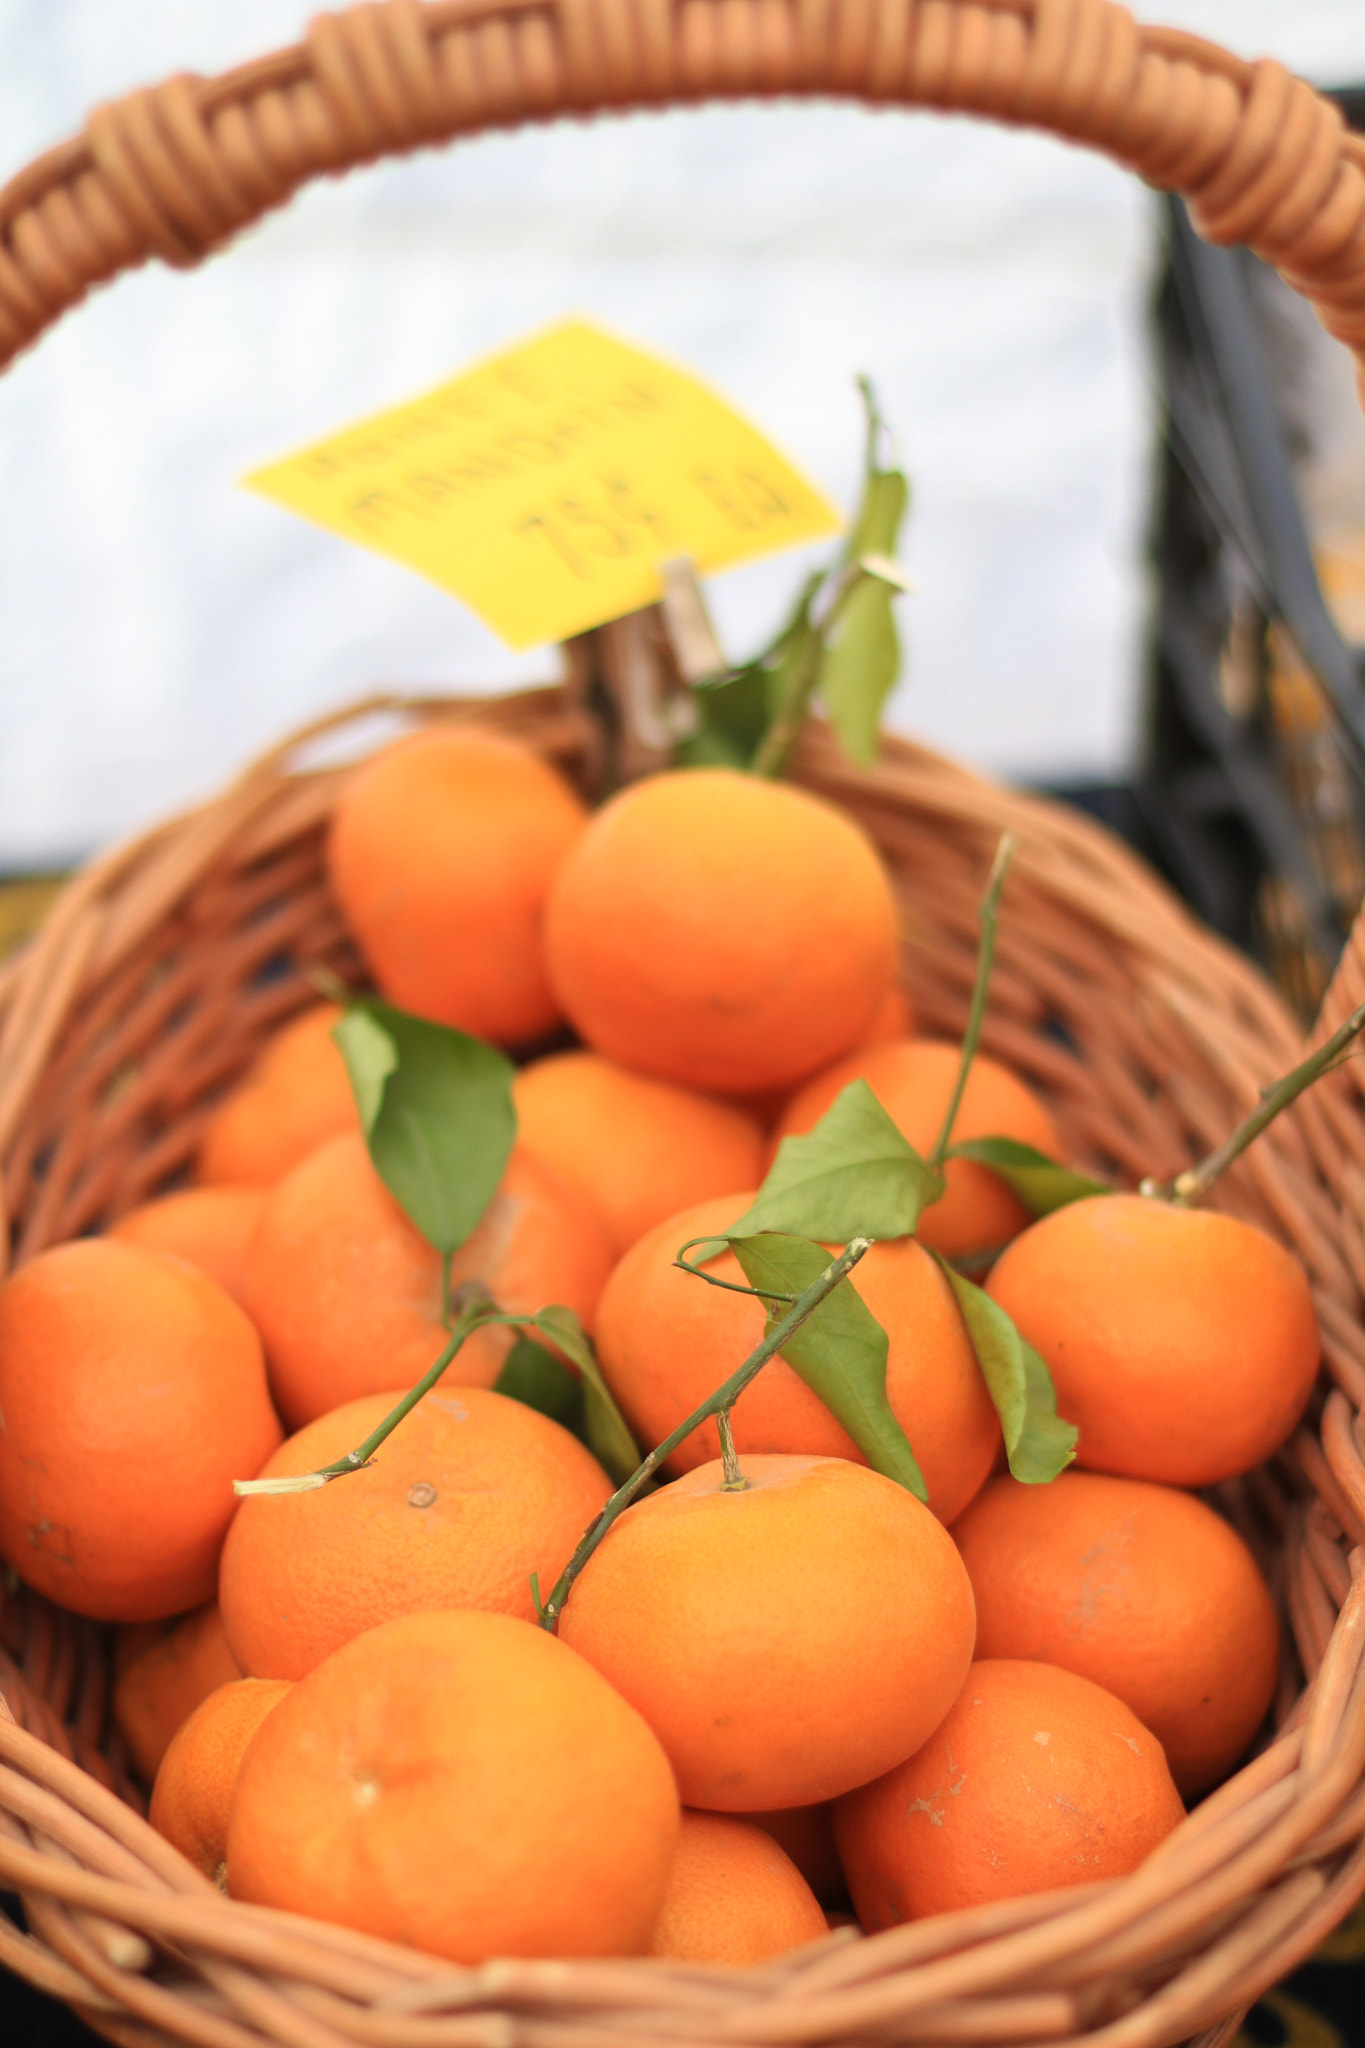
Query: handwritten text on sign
{"points": [[545, 487]]}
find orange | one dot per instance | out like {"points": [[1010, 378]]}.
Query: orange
{"points": [[721, 931], [1139, 1587], [784, 1642], [1183, 1343], [159, 1683], [133, 1393], [441, 853], [636, 1150], [913, 1080], [469, 1496], [295, 1094], [347, 1293], [1036, 1779], [464, 1783], [666, 1340], [193, 1791], [806, 1833], [733, 1896], [210, 1227]]}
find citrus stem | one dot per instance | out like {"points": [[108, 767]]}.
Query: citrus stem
{"points": [[988, 918], [724, 1398], [1190, 1186], [777, 742], [476, 1314], [734, 1481]]}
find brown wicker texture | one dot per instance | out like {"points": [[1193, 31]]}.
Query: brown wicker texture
{"points": [[162, 967]]}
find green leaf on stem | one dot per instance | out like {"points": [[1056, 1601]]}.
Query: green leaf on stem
{"points": [[852, 1175], [535, 1377], [1037, 1441], [732, 717], [436, 1109], [860, 660], [886, 495], [1041, 1184], [604, 1426], [858, 668], [839, 1351]]}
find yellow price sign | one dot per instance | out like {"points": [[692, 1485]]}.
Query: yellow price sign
{"points": [[545, 486]]}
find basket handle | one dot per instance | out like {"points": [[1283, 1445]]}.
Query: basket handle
{"points": [[177, 169]]}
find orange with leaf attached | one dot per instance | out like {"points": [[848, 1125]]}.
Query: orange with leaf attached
{"points": [[347, 1293], [667, 1340], [913, 1079], [295, 1094]]}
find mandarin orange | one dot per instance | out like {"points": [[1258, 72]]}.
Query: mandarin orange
{"points": [[666, 1340], [1143, 1589], [210, 1226], [295, 1094], [160, 1681], [469, 1496], [1037, 1778], [913, 1080], [192, 1795], [347, 1293], [733, 1896], [721, 931], [464, 1783], [441, 853], [133, 1392], [785, 1641], [637, 1150], [1183, 1343]]}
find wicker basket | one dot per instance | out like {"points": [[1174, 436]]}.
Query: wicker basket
{"points": [[163, 966]]}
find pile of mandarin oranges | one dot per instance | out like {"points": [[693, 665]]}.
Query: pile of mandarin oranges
{"points": [[769, 1705]]}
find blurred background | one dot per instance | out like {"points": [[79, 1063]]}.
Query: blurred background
{"points": [[160, 624]]}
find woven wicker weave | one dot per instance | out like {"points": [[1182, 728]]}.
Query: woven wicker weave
{"points": [[162, 967]]}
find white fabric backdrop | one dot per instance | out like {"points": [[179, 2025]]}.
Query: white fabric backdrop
{"points": [[158, 625]]}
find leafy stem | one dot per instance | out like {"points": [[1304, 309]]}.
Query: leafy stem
{"points": [[1190, 1187], [775, 1336], [988, 917]]}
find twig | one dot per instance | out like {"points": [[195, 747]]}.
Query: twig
{"points": [[724, 1397], [988, 917]]}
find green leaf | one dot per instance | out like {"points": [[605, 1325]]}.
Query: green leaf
{"points": [[839, 1351], [1041, 1184], [436, 1108], [535, 1377], [886, 494], [732, 718], [1039, 1444], [852, 1175], [858, 669], [371, 1056], [604, 1427]]}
